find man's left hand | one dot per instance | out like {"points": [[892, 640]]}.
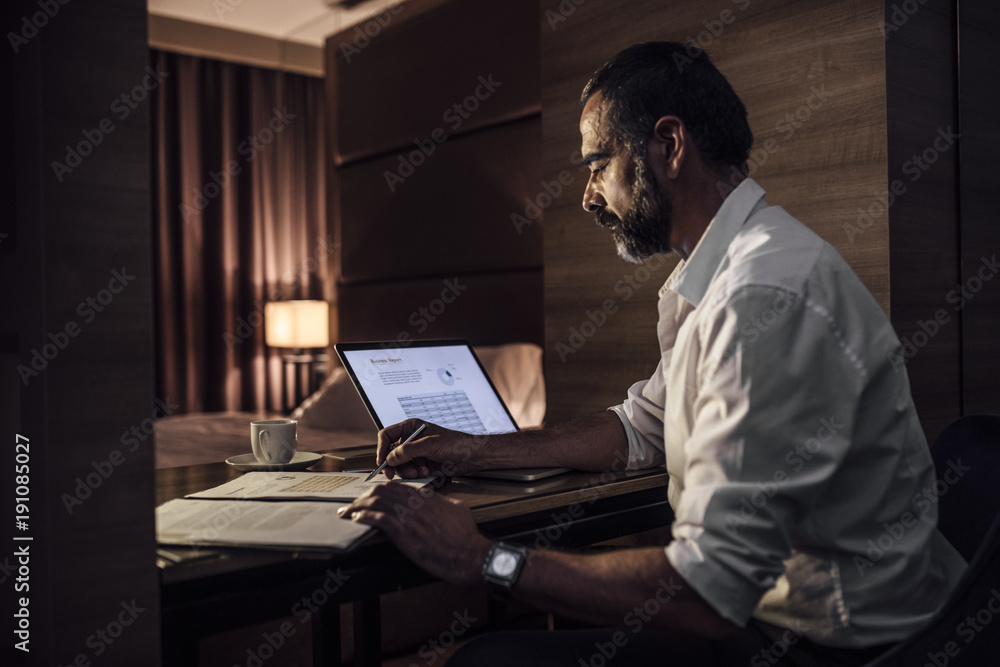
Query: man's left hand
{"points": [[434, 531]]}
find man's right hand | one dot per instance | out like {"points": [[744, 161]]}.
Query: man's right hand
{"points": [[437, 451]]}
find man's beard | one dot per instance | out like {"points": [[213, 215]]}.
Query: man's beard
{"points": [[647, 223]]}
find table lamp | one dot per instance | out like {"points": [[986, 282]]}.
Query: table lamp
{"points": [[299, 326]]}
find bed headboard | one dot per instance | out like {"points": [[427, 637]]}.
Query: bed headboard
{"points": [[435, 135]]}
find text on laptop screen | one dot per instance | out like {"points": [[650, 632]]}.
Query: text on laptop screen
{"points": [[441, 384]]}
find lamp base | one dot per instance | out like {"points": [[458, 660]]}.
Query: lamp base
{"points": [[304, 373]]}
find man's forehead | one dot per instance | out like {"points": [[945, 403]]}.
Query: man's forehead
{"points": [[592, 125]]}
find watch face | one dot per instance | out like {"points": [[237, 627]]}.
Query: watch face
{"points": [[504, 563]]}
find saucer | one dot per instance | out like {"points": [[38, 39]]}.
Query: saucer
{"points": [[248, 462]]}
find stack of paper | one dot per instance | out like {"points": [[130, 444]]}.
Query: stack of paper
{"points": [[243, 511]]}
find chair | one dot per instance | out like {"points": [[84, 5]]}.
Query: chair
{"points": [[966, 630]]}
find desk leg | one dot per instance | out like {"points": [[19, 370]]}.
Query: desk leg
{"points": [[368, 632], [326, 637]]}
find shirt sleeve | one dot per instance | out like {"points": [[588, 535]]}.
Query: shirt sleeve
{"points": [[642, 417], [779, 387]]}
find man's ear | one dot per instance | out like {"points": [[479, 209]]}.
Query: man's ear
{"points": [[669, 145]]}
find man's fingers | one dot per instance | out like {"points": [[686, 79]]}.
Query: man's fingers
{"points": [[415, 449], [391, 436], [379, 507]]}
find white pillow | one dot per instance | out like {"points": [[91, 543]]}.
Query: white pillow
{"points": [[335, 406]]}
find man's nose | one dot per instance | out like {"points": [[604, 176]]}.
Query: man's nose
{"points": [[592, 199]]}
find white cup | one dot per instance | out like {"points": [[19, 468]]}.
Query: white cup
{"points": [[273, 440]]}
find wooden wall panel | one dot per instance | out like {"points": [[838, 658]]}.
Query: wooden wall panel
{"points": [[980, 174], [91, 494], [822, 63], [404, 84], [450, 218], [921, 66], [488, 309], [403, 230]]}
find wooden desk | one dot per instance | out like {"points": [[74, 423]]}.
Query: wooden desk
{"points": [[240, 587]]}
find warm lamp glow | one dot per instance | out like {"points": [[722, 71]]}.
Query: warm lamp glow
{"points": [[300, 324]]}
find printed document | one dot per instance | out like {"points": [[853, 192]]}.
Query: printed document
{"points": [[300, 486], [255, 523]]}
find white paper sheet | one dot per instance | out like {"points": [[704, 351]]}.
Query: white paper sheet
{"points": [[256, 523], [300, 486]]}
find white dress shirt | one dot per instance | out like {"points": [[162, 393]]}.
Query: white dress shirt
{"points": [[801, 480]]}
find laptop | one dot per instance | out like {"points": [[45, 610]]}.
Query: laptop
{"points": [[439, 381]]}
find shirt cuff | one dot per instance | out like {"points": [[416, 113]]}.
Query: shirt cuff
{"points": [[644, 433], [723, 590]]}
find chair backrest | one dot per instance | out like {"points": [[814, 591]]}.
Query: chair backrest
{"points": [[967, 458], [966, 630]]}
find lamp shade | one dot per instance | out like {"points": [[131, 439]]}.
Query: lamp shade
{"points": [[301, 324]]}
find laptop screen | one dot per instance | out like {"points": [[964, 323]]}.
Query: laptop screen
{"points": [[441, 382]]}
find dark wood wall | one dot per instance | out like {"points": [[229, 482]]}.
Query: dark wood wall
{"points": [[941, 78], [979, 175], [811, 74], [435, 144], [92, 553], [922, 89]]}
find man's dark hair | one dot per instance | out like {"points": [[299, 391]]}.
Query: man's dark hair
{"points": [[654, 79]]}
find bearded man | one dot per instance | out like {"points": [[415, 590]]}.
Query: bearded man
{"points": [[790, 441]]}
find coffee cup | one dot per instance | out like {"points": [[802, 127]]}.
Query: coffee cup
{"points": [[273, 440]]}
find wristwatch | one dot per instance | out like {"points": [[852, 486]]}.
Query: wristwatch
{"points": [[503, 566]]}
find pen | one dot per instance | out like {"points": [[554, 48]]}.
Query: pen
{"points": [[412, 436]]}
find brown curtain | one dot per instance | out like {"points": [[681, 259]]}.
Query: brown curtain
{"points": [[239, 220]]}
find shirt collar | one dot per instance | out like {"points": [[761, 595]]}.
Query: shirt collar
{"points": [[692, 281]]}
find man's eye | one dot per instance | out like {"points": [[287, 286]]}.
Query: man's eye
{"points": [[598, 170]]}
